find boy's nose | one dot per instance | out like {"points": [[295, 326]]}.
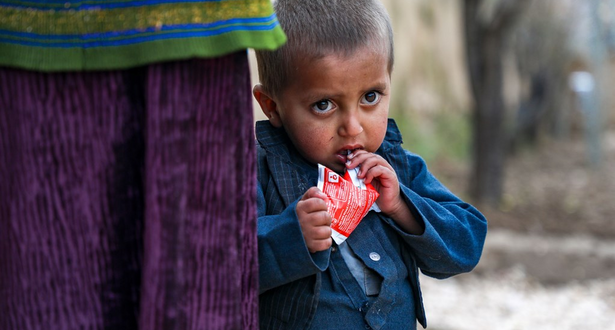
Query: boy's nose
{"points": [[351, 126]]}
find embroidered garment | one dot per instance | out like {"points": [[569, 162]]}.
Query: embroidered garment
{"points": [[60, 35]]}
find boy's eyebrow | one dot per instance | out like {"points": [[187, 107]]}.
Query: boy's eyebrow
{"points": [[379, 85], [315, 96]]}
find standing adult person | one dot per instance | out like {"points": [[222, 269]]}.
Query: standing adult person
{"points": [[127, 163]]}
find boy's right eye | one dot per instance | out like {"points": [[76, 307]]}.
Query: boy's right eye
{"points": [[322, 106]]}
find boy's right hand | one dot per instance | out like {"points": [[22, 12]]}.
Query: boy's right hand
{"points": [[314, 220]]}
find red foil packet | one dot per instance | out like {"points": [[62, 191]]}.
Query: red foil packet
{"points": [[346, 203]]}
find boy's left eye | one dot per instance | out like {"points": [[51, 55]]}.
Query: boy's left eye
{"points": [[322, 106], [370, 98]]}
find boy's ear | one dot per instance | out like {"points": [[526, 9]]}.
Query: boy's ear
{"points": [[268, 105]]}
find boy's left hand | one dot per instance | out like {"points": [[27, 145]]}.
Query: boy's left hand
{"points": [[376, 170]]}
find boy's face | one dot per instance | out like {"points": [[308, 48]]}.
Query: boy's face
{"points": [[334, 104]]}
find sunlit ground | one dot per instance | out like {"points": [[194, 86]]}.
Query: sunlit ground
{"points": [[510, 300]]}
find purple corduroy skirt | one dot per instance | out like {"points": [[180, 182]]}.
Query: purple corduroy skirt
{"points": [[127, 198]]}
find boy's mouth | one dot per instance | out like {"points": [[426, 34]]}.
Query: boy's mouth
{"points": [[343, 153]]}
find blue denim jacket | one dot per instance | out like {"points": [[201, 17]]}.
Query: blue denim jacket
{"points": [[294, 281]]}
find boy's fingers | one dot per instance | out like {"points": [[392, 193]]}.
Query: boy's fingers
{"points": [[365, 159], [320, 245], [357, 153], [313, 192], [309, 193], [312, 205], [320, 218], [367, 162], [321, 232], [324, 219], [356, 158], [378, 171]]}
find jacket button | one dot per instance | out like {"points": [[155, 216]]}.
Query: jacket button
{"points": [[374, 256]]}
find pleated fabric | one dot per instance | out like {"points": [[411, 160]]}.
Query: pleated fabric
{"points": [[127, 198]]}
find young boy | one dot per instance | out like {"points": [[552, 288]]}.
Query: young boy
{"points": [[326, 94]]}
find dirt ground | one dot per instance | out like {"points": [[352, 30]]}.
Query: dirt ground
{"points": [[549, 258], [556, 191], [552, 189]]}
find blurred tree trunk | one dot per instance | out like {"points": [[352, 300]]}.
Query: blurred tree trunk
{"points": [[487, 28]]}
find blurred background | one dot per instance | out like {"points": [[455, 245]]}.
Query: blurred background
{"points": [[510, 102]]}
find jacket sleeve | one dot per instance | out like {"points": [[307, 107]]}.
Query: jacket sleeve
{"points": [[455, 231], [282, 252]]}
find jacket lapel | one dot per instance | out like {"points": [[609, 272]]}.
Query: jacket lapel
{"points": [[291, 184]]}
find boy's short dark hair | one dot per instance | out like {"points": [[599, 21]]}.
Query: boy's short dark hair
{"points": [[316, 28]]}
